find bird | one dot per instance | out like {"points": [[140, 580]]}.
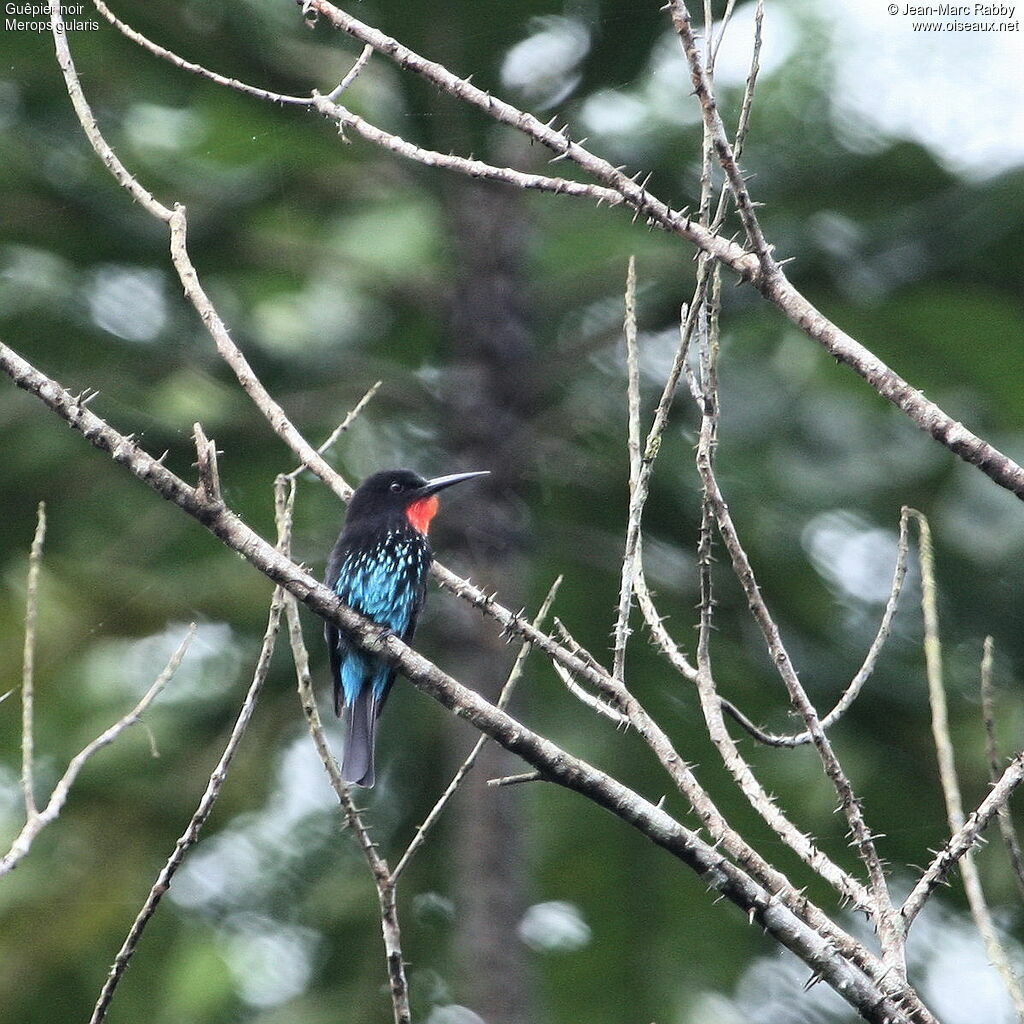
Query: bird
{"points": [[379, 567]]}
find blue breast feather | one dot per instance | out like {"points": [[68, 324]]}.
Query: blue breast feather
{"points": [[383, 584]]}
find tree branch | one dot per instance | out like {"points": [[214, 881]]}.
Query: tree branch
{"points": [[947, 767], [864, 673], [870, 997], [776, 288], [38, 821], [35, 559], [988, 715]]}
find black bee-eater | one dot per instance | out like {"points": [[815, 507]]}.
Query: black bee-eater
{"points": [[379, 567]]}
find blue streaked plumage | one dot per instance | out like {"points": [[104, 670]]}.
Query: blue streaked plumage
{"points": [[385, 583], [379, 568]]}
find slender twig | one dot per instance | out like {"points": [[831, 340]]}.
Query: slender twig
{"points": [[716, 128], [197, 69], [516, 780], [726, 17], [787, 914], [28, 667], [469, 166], [38, 821], [340, 429], [218, 776], [190, 836], [592, 702], [988, 715], [423, 830], [965, 838], [947, 766], [629, 559], [354, 72], [864, 673]]}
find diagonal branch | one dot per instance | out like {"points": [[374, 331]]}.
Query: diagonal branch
{"points": [[887, 921], [39, 820], [190, 836], [423, 830], [776, 288], [838, 959]]}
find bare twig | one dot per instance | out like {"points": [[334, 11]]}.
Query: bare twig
{"points": [[190, 836], [197, 69], [516, 780], [38, 821], [726, 18], [864, 673], [988, 714], [965, 838], [592, 702], [716, 128], [423, 830], [354, 72], [777, 289], [629, 557], [947, 766], [28, 668], [206, 463], [469, 166], [340, 429]]}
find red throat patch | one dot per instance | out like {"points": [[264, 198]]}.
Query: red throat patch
{"points": [[419, 513]]}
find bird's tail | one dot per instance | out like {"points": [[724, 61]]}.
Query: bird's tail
{"points": [[360, 720]]}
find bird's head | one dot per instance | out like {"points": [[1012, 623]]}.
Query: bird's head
{"points": [[402, 492]]}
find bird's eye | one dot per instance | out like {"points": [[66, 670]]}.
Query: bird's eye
{"points": [[396, 486]]}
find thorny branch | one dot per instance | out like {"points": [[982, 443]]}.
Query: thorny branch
{"points": [[852, 692], [616, 187], [423, 830], [837, 958], [878, 992]]}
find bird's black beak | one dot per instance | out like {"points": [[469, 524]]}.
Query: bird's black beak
{"points": [[439, 483]]}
